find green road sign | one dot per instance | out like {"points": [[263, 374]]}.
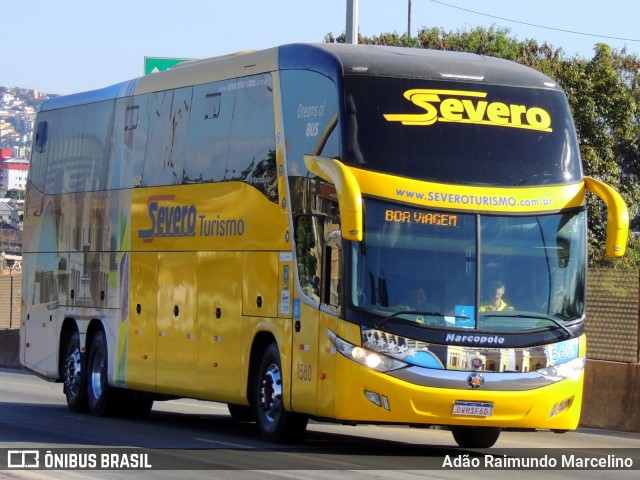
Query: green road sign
{"points": [[157, 64]]}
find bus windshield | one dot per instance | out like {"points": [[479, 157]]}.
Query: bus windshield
{"points": [[470, 271], [460, 133]]}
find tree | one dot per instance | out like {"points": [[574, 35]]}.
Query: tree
{"points": [[604, 96], [15, 194]]}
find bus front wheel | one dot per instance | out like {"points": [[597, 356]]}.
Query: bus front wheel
{"points": [[475, 437], [274, 422]]}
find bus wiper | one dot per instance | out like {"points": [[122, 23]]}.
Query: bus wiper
{"points": [[411, 312], [522, 315]]}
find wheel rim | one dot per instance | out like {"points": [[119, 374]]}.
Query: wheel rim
{"points": [[73, 373], [96, 374], [271, 394]]}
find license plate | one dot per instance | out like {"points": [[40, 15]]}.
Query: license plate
{"points": [[473, 409]]}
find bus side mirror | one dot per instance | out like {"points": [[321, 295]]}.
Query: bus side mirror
{"points": [[349, 196], [617, 216]]}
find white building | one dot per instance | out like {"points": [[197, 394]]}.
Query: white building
{"points": [[13, 174], [9, 214]]}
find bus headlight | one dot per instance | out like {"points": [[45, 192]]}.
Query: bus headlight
{"points": [[571, 369], [374, 360]]}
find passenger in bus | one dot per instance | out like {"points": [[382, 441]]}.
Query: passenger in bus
{"points": [[492, 300], [417, 301]]}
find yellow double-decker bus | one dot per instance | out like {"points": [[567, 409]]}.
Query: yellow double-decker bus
{"points": [[354, 234]]}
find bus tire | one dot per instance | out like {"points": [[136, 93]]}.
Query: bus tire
{"points": [[74, 377], [274, 422], [241, 413], [475, 437], [102, 397]]}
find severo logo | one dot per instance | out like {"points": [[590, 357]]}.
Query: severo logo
{"points": [[169, 220], [461, 106]]}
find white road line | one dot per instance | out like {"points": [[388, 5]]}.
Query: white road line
{"points": [[216, 442]]}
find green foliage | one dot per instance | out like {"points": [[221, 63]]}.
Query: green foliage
{"points": [[604, 96], [631, 261], [15, 194]]}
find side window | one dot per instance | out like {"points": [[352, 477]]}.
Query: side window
{"points": [[310, 109], [75, 151], [310, 104], [209, 129], [41, 157], [231, 134], [318, 240], [252, 148], [136, 138], [332, 274], [65, 156], [125, 126], [94, 148], [168, 114], [309, 254], [41, 135]]}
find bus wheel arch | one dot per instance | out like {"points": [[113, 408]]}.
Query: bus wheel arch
{"points": [[275, 423], [244, 413], [72, 367], [260, 343]]}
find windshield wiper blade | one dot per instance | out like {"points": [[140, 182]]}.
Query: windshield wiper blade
{"points": [[378, 324], [555, 321], [413, 312]]}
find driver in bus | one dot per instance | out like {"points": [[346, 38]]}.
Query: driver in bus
{"points": [[492, 300], [417, 301]]}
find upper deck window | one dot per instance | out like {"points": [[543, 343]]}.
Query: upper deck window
{"points": [[460, 133]]}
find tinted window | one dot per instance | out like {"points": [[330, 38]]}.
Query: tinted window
{"points": [[310, 103], [168, 114], [209, 131], [75, 156], [460, 133], [125, 125], [252, 146], [40, 157], [530, 269], [232, 134]]}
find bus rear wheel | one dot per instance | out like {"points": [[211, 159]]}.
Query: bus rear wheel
{"points": [[274, 422], [101, 396], [475, 437], [74, 376]]}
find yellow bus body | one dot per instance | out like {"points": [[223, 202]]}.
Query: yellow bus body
{"points": [[183, 286]]}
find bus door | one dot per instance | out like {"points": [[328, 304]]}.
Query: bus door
{"points": [[306, 314], [318, 248], [41, 296]]}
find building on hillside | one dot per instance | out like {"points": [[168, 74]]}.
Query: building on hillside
{"points": [[9, 215], [13, 174]]}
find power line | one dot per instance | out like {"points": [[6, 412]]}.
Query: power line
{"points": [[535, 25]]}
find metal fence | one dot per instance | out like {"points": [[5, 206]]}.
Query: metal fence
{"points": [[612, 326], [10, 298], [613, 315]]}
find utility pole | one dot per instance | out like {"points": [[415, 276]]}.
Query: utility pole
{"points": [[409, 21], [352, 22]]}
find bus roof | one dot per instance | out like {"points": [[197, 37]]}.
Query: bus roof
{"points": [[419, 63], [332, 59]]}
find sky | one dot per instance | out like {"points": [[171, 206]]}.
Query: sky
{"points": [[76, 45]]}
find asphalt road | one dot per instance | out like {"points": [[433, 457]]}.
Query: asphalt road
{"points": [[202, 441]]}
